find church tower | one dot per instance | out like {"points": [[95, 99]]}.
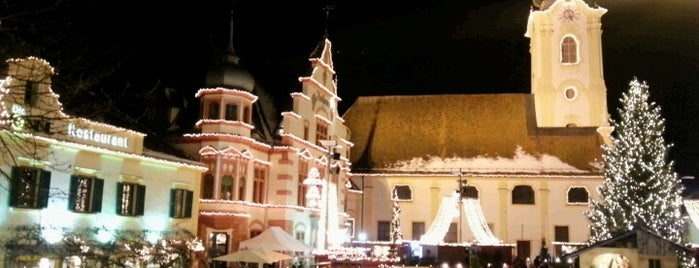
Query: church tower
{"points": [[566, 64]]}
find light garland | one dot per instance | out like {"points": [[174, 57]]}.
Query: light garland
{"points": [[477, 222], [225, 213], [219, 90], [440, 225]]}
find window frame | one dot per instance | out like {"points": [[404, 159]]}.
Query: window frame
{"points": [[136, 199], [92, 201], [569, 50], [523, 198], [181, 202], [40, 188]]}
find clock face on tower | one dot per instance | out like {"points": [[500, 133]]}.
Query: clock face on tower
{"points": [[568, 15]]}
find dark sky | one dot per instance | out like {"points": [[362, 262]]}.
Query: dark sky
{"points": [[422, 47]]}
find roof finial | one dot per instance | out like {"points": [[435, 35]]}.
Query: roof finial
{"points": [[232, 58], [327, 10]]}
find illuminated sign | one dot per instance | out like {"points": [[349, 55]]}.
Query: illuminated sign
{"points": [[91, 135]]}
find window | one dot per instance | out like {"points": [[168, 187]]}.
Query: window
{"points": [[418, 229], [402, 193], [560, 234], [218, 244], [523, 248], [306, 130], [226, 188], [569, 50], [452, 234], [570, 93], [246, 114], [302, 188], [231, 112], [523, 194], [130, 199], [301, 236], [321, 132], [29, 187], [577, 195], [213, 110], [654, 263], [181, 203], [30, 93], [469, 191], [384, 231], [258, 188], [208, 187], [254, 233], [85, 194]]}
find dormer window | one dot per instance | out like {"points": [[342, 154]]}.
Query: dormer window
{"points": [[569, 50]]}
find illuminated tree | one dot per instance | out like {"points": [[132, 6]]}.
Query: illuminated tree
{"points": [[640, 185]]}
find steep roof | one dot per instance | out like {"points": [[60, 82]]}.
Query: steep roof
{"points": [[388, 129]]}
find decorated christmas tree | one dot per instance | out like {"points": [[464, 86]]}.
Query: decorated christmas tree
{"points": [[396, 234], [640, 185]]}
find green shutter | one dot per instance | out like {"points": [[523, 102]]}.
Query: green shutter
{"points": [[73, 192], [119, 195], [140, 199], [44, 187], [188, 204], [13, 186], [173, 202], [97, 190]]}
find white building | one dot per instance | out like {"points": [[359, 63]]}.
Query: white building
{"points": [[75, 191]]}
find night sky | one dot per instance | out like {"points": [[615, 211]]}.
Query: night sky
{"points": [[410, 47]]}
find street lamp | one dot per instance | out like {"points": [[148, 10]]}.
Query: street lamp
{"points": [[330, 145], [461, 190]]}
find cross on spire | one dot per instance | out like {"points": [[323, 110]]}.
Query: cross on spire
{"points": [[327, 10]]}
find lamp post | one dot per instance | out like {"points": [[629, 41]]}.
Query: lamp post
{"points": [[460, 190], [330, 145]]}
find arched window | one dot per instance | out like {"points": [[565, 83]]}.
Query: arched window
{"points": [[569, 50], [469, 191], [523, 194], [577, 195]]}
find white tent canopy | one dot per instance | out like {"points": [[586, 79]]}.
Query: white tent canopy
{"points": [[274, 238]]}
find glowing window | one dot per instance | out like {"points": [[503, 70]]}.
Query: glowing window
{"points": [[29, 187], [85, 194], [131, 198]]}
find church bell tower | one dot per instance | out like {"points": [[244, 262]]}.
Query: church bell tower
{"points": [[566, 64]]}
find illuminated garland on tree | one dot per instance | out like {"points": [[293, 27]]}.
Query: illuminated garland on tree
{"points": [[640, 186]]}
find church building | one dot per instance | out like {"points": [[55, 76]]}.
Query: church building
{"points": [[492, 169]]}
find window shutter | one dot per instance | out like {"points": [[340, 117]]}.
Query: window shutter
{"points": [[119, 196], [97, 190], [13, 186], [73, 192], [188, 204], [173, 202], [140, 199], [44, 185]]}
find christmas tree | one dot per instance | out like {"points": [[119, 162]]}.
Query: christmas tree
{"points": [[396, 234], [640, 185]]}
